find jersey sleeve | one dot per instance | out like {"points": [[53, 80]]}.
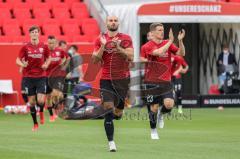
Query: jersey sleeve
{"points": [[143, 53], [46, 52], [22, 53], [126, 42], [184, 63], [97, 44], [173, 48]]}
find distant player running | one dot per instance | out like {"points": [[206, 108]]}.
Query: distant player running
{"points": [[34, 58], [157, 53], [114, 50], [179, 67], [58, 58]]}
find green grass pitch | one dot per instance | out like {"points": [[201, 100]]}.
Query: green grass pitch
{"points": [[209, 134]]}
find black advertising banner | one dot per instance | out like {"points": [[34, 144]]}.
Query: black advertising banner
{"points": [[191, 101], [220, 100]]}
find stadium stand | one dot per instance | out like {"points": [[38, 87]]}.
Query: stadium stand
{"points": [[62, 18]]}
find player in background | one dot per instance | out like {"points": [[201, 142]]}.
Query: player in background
{"points": [[34, 58], [113, 50], [179, 67], [58, 58]]}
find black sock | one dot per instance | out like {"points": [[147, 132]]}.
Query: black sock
{"points": [[50, 109], [164, 110], [41, 106], [109, 127], [33, 114], [25, 97], [152, 118]]}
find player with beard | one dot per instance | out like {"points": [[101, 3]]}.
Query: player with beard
{"points": [[113, 50]]}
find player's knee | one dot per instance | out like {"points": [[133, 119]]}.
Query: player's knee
{"points": [[118, 113], [169, 103], [154, 108], [108, 105]]}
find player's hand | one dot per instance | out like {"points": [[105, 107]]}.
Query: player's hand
{"points": [[170, 35], [117, 42], [69, 75], [220, 62], [44, 66], [25, 63], [181, 35], [103, 40]]}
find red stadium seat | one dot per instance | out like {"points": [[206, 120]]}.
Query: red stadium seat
{"points": [[22, 5], [90, 27], [11, 22], [71, 29], [5, 39], [40, 5], [83, 38], [10, 30], [70, 2], [5, 13], [79, 10], [43, 39], [51, 29], [22, 13], [68, 39], [51, 22], [41, 13], [61, 13], [20, 39], [27, 23], [69, 21], [8, 5]]}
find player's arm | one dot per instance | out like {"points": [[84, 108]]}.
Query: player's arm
{"points": [[178, 71], [126, 53], [184, 69], [185, 66], [161, 51], [20, 59], [181, 50], [47, 58], [80, 71], [126, 49], [99, 49]]}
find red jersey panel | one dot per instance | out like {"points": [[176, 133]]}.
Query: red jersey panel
{"points": [[36, 56], [157, 69], [177, 62], [56, 59], [114, 66]]}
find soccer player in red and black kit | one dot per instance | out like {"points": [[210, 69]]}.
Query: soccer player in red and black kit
{"points": [[179, 67], [157, 53], [34, 58], [58, 58], [114, 50]]}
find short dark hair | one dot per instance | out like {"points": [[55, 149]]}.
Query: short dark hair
{"points": [[51, 37], [34, 27], [74, 47], [225, 45], [62, 42], [153, 26]]}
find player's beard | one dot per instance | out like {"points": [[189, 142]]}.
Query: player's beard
{"points": [[113, 28]]}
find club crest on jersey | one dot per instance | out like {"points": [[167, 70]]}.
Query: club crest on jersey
{"points": [[57, 53], [41, 50]]}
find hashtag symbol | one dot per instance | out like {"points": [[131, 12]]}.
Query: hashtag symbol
{"points": [[171, 9]]}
